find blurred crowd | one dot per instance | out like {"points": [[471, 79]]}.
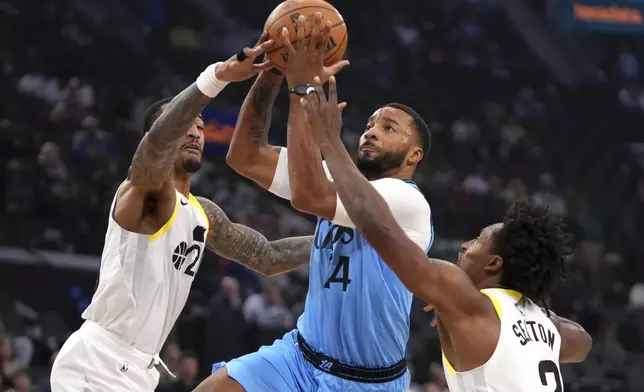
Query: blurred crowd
{"points": [[77, 76]]}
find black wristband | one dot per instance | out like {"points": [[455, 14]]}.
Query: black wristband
{"points": [[302, 89]]}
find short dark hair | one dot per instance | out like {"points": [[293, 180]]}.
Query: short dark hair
{"points": [[153, 113], [535, 246], [422, 129]]}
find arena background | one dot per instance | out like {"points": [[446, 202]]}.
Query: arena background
{"points": [[526, 99]]}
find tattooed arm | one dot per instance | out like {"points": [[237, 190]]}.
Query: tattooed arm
{"points": [[150, 177], [250, 154], [155, 155], [251, 249]]}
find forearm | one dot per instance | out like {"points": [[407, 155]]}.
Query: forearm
{"points": [[249, 153], [154, 158], [311, 190], [373, 218], [575, 341], [250, 248]]}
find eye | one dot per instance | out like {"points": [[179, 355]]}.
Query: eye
{"points": [[389, 128]]}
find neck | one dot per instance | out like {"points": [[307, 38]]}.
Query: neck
{"points": [[182, 182], [399, 173]]}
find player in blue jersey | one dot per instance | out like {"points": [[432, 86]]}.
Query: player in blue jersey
{"points": [[354, 330]]}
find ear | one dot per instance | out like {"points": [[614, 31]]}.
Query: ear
{"points": [[415, 155], [494, 265]]}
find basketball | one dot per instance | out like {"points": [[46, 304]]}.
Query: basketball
{"points": [[286, 14]]}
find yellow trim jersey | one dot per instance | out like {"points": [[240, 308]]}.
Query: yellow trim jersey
{"points": [[526, 358], [144, 280]]}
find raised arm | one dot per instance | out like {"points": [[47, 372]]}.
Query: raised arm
{"points": [[151, 173], [575, 341], [249, 153], [154, 157], [312, 191], [436, 281], [251, 249]]}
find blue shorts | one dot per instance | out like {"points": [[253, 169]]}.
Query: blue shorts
{"points": [[281, 367]]}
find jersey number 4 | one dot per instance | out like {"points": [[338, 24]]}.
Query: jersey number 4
{"points": [[343, 264], [546, 367]]}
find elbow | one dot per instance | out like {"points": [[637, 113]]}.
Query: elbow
{"points": [[586, 346], [243, 165]]}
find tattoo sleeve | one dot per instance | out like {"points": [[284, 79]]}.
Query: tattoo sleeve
{"points": [[154, 157], [262, 97], [249, 152], [250, 248]]}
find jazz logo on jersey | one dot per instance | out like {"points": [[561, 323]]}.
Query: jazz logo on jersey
{"points": [[182, 251]]}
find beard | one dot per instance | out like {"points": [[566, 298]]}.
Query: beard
{"points": [[376, 167], [191, 165]]}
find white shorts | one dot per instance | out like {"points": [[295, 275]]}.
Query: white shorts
{"points": [[94, 359]]}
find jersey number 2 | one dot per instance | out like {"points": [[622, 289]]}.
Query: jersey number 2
{"points": [[546, 367], [343, 263]]}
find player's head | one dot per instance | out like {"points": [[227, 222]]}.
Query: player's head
{"points": [[190, 147], [527, 252], [396, 138]]}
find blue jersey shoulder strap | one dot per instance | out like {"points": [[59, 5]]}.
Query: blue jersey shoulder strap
{"points": [[431, 238]]}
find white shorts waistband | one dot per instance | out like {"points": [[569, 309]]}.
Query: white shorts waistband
{"points": [[115, 343]]}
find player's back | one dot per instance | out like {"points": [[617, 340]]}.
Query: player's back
{"points": [[144, 280], [357, 310], [526, 358]]}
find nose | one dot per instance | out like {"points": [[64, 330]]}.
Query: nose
{"points": [[194, 133], [371, 134], [465, 245]]}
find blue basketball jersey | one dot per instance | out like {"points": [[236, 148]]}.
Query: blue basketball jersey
{"points": [[357, 310]]}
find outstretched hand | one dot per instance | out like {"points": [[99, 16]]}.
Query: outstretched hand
{"points": [[234, 70], [306, 59], [323, 115]]}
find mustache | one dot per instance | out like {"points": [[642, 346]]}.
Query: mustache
{"points": [[369, 144]]}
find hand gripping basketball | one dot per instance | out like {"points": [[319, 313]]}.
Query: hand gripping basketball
{"points": [[323, 115], [242, 65], [306, 59]]}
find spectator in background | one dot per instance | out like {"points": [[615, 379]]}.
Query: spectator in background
{"points": [[187, 377], [9, 366], [21, 382], [171, 356], [227, 332], [267, 309]]}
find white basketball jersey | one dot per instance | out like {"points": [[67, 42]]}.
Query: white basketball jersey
{"points": [[144, 280], [526, 358]]}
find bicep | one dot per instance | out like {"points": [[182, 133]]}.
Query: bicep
{"points": [[262, 167], [152, 163], [575, 343]]}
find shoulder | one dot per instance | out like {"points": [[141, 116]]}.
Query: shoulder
{"points": [[402, 195]]}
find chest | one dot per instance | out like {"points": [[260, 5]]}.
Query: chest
{"points": [[183, 245]]}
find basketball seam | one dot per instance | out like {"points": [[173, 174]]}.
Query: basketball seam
{"points": [[307, 36], [339, 45], [297, 9]]}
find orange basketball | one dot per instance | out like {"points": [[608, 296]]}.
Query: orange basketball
{"points": [[286, 14]]}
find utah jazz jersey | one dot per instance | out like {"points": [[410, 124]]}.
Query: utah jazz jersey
{"points": [[526, 358], [144, 280], [357, 310]]}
